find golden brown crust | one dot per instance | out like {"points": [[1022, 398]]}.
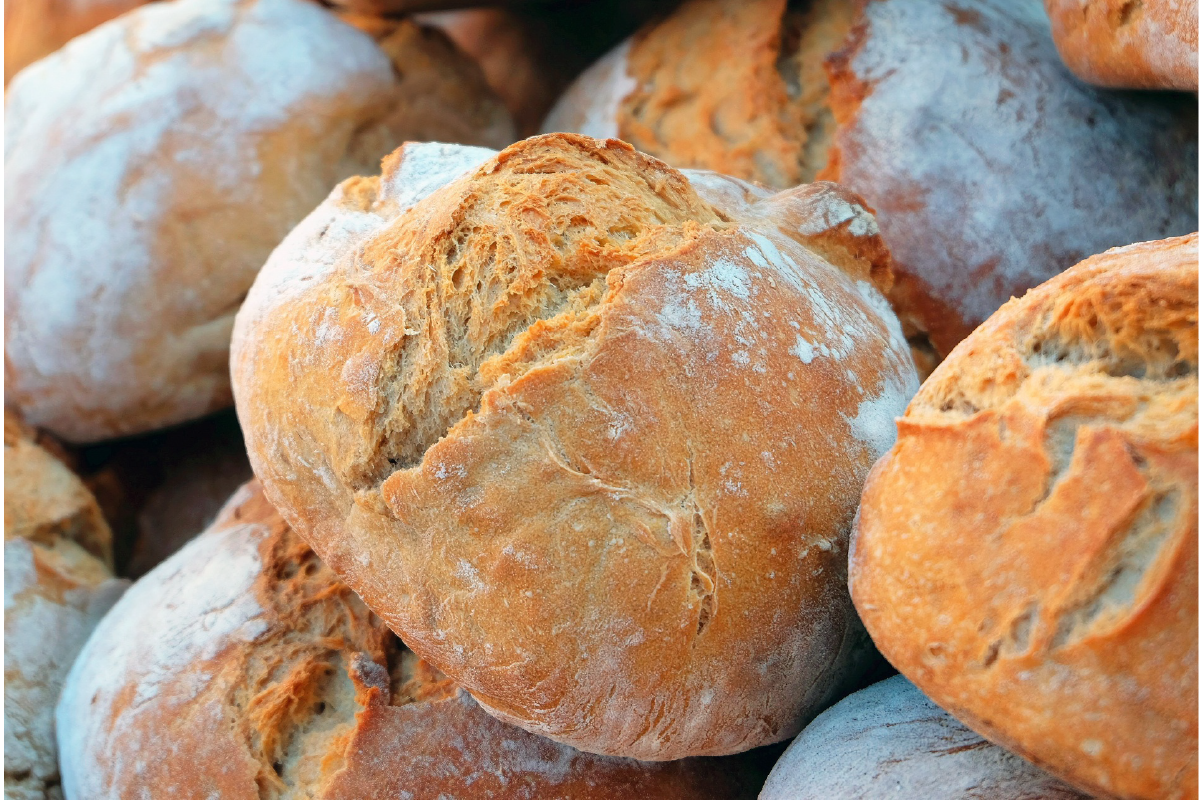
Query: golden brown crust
{"points": [[44, 500], [36, 28], [287, 687], [668, 370], [1028, 552], [1129, 44]]}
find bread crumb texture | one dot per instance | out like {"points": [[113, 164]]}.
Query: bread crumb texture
{"points": [[1129, 44], [159, 159], [1027, 553], [989, 167], [890, 741], [243, 668], [56, 587], [587, 431]]}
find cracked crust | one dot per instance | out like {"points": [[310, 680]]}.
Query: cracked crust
{"points": [[56, 587], [989, 168], [1129, 44], [890, 741], [243, 668], [1027, 553], [169, 151], [587, 431]]}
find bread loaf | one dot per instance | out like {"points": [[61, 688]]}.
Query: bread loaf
{"points": [[586, 431], [1151, 44], [155, 162], [56, 587], [890, 741], [243, 668], [1027, 553], [989, 168]]}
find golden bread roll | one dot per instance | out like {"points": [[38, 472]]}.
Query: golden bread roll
{"points": [[57, 585], [989, 168], [1129, 44], [243, 668], [1027, 553], [588, 432]]}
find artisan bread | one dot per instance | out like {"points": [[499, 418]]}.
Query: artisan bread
{"points": [[584, 430], [989, 168], [169, 151], [1027, 553], [243, 668], [1152, 44], [890, 741], [36, 28], [56, 587]]}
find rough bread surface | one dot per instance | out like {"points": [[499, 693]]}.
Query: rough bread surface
{"points": [[586, 431], [988, 166], [1129, 44], [159, 158], [889, 741], [1027, 553], [243, 668], [56, 587]]}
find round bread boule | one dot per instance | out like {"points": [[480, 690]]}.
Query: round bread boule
{"points": [[57, 585], [988, 166], [152, 165], [889, 741], [1150, 44], [1027, 553], [586, 431], [242, 668]]}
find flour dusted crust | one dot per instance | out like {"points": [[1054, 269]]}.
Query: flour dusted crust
{"points": [[36, 28], [243, 668], [159, 158], [1150, 44], [1027, 553], [587, 432], [890, 741], [988, 167], [55, 590]]}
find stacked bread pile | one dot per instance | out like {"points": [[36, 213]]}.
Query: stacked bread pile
{"points": [[602, 463]]}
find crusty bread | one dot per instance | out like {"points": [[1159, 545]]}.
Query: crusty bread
{"points": [[989, 168], [1027, 553], [586, 431], [1151, 44], [36, 28], [889, 741], [56, 586], [243, 668], [168, 152]]}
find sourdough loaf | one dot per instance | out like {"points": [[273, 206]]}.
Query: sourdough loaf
{"points": [[1150, 44], [890, 741], [152, 165], [586, 431], [56, 587], [243, 668], [989, 168], [1027, 553]]}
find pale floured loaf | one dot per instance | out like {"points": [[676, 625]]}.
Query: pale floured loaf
{"points": [[1027, 553], [586, 431], [889, 741], [242, 668], [988, 166], [153, 163], [56, 587], [1132, 44]]}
